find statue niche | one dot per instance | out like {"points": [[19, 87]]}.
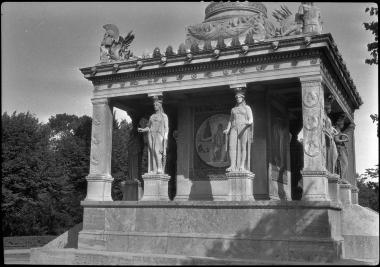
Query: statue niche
{"points": [[240, 130]]}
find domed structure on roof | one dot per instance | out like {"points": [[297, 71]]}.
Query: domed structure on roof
{"points": [[223, 10]]}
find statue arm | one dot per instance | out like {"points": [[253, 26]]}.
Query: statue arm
{"points": [[250, 116], [226, 131], [166, 126]]}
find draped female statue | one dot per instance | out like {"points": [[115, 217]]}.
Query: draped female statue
{"points": [[157, 129], [238, 127], [330, 133], [341, 139]]}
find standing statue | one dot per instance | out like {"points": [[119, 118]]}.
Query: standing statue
{"points": [[341, 138], [311, 18], [157, 129], [113, 46], [330, 133], [239, 128]]}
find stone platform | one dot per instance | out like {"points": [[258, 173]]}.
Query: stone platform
{"points": [[240, 230]]}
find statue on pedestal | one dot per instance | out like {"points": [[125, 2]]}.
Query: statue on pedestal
{"points": [[330, 133], [114, 47], [239, 129], [311, 18], [341, 138], [157, 129]]}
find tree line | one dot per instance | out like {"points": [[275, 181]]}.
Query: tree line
{"points": [[44, 166]]}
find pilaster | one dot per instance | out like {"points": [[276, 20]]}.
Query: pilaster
{"points": [[315, 182], [99, 180]]}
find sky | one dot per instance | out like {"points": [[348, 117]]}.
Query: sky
{"points": [[43, 45]]}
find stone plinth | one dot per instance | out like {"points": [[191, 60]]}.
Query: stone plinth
{"points": [[276, 230], [240, 186], [155, 186], [345, 192], [131, 190], [333, 187], [355, 195], [315, 186]]}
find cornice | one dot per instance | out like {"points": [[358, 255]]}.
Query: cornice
{"points": [[231, 57]]}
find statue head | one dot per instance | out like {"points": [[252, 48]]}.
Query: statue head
{"points": [[157, 104], [340, 121], [240, 95], [111, 35]]}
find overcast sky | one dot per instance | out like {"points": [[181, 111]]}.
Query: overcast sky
{"points": [[45, 44]]}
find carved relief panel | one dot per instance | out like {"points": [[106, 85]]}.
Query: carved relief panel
{"points": [[312, 109], [210, 158]]}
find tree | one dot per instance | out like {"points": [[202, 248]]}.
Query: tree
{"points": [[369, 190], [119, 164], [373, 27], [24, 154], [375, 118]]}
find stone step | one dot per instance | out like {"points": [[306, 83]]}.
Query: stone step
{"points": [[16, 256], [80, 256]]}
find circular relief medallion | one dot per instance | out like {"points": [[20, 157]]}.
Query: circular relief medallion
{"points": [[312, 147], [311, 122], [310, 99], [210, 142]]}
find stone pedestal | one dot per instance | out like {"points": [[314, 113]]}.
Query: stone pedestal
{"points": [[155, 186], [315, 186], [345, 192], [131, 190], [333, 187], [355, 195], [240, 186]]}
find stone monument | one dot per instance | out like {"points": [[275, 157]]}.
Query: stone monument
{"points": [[247, 186]]}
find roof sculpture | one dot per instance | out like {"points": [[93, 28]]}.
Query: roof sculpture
{"points": [[228, 28]]}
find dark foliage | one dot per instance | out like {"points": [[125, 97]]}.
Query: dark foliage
{"points": [[44, 169], [372, 26]]}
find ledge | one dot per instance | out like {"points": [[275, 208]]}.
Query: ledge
{"points": [[259, 204]]}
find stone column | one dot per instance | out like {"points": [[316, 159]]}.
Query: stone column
{"points": [[99, 180], [315, 182]]}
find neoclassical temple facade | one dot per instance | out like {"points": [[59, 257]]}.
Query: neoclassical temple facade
{"points": [[242, 147], [287, 78]]}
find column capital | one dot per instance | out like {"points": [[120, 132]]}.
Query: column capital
{"points": [[311, 78], [238, 85], [98, 101], [157, 94]]}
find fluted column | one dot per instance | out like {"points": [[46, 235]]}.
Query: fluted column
{"points": [[99, 180], [315, 182]]}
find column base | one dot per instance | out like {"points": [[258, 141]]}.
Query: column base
{"points": [[240, 186], [333, 187], [99, 187], [132, 190], [155, 187], [315, 186], [355, 195], [345, 192]]}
